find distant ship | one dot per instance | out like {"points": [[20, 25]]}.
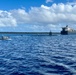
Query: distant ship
{"points": [[67, 30]]}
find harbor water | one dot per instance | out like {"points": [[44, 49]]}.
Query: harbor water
{"points": [[38, 55]]}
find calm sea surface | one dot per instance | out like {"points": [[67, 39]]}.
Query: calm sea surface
{"points": [[38, 55]]}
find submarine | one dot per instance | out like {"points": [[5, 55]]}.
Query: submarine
{"points": [[67, 30]]}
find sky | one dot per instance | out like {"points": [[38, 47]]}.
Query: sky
{"points": [[37, 15]]}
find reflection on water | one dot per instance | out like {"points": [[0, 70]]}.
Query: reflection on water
{"points": [[38, 55]]}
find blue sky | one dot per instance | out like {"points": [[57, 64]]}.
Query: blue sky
{"points": [[15, 4], [36, 15]]}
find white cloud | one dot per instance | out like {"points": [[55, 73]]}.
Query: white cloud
{"points": [[6, 19], [21, 16], [47, 1], [57, 14]]}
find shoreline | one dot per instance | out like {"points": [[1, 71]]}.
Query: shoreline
{"points": [[29, 33]]}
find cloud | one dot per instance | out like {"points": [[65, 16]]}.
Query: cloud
{"points": [[47, 1], [21, 16], [55, 14], [48, 17], [6, 19], [71, 3]]}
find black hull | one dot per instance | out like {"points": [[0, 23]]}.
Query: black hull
{"points": [[50, 33], [64, 32], [67, 32]]}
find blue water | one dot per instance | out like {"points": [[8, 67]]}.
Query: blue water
{"points": [[38, 55]]}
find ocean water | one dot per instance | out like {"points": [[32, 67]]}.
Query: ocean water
{"points": [[38, 55]]}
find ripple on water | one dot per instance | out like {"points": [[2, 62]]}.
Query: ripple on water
{"points": [[38, 55]]}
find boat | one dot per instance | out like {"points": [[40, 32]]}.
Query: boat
{"points": [[67, 30], [4, 38]]}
